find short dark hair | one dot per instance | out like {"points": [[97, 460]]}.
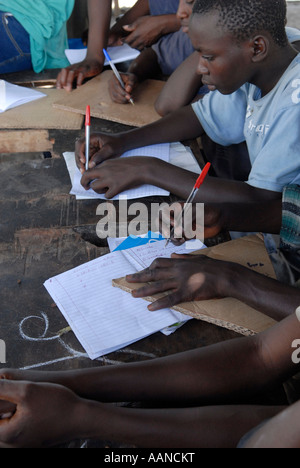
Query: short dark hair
{"points": [[242, 18]]}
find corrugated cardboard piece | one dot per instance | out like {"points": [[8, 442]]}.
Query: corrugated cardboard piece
{"points": [[228, 313], [95, 93], [41, 114]]}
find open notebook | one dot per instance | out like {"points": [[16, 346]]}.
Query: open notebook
{"points": [[161, 151], [105, 318]]}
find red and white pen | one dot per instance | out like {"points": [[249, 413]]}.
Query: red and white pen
{"points": [[87, 136], [193, 193]]}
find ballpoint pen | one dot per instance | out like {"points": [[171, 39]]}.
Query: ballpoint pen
{"points": [[117, 74], [192, 195], [87, 136]]}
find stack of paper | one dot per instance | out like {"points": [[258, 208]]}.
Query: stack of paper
{"points": [[12, 95], [105, 318], [117, 54]]}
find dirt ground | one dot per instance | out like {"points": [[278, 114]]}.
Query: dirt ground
{"points": [[294, 14]]}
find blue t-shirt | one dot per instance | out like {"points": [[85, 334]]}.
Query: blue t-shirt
{"points": [[163, 7], [172, 50], [269, 124]]}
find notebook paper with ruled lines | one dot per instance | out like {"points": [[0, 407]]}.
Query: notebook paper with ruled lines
{"points": [[105, 318]]}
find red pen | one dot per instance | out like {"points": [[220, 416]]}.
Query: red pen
{"points": [[87, 136], [193, 193]]}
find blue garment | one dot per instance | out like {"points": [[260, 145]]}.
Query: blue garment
{"points": [[270, 126], [172, 50], [15, 45], [163, 7], [45, 22]]}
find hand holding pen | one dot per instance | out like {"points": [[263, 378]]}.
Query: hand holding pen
{"points": [[116, 73], [191, 197]]}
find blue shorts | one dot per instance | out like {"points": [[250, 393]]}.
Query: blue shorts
{"points": [[163, 7], [15, 45]]}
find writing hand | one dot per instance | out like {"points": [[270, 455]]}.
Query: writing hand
{"points": [[114, 176], [102, 147], [117, 93]]}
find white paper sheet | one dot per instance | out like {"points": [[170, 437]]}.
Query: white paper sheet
{"points": [[13, 95], [105, 318], [118, 54], [156, 151]]}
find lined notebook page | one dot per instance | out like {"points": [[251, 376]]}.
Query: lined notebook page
{"points": [[161, 151], [102, 317], [142, 256]]}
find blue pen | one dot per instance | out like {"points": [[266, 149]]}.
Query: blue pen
{"points": [[117, 74]]}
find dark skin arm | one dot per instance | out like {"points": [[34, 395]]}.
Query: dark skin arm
{"points": [[216, 374], [195, 278], [185, 78], [99, 12], [116, 175], [250, 217], [189, 278], [139, 29]]}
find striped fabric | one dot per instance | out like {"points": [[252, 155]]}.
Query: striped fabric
{"points": [[290, 230]]}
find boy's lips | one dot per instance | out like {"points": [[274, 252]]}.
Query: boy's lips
{"points": [[185, 26], [210, 86]]}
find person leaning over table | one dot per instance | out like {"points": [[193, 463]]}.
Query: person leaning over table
{"points": [[252, 73]]}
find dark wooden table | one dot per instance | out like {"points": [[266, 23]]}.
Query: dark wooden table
{"points": [[45, 231]]}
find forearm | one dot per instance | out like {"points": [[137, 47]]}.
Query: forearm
{"points": [[260, 217], [275, 299], [162, 428], [180, 182], [180, 125], [186, 79], [214, 374], [99, 13]]}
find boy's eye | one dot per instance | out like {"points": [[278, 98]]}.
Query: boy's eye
{"points": [[208, 58]]}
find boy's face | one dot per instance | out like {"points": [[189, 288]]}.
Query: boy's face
{"points": [[184, 13], [223, 63]]}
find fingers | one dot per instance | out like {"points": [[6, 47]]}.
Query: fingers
{"points": [[159, 281], [117, 93], [65, 79], [166, 302]]}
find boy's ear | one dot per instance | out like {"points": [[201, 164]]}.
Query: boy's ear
{"points": [[259, 48]]}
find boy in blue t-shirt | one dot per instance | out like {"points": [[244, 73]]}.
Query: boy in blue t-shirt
{"points": [[253, 74]]}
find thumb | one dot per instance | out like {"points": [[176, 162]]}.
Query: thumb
{"points": [[181, 256], [129, 27], [10, 392]]}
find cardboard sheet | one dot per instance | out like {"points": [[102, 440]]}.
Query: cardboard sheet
{"points": [[228, 313], [95, 93], [41, 114]]}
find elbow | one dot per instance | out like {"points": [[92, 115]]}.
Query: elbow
{"points": [[164, 107]]}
